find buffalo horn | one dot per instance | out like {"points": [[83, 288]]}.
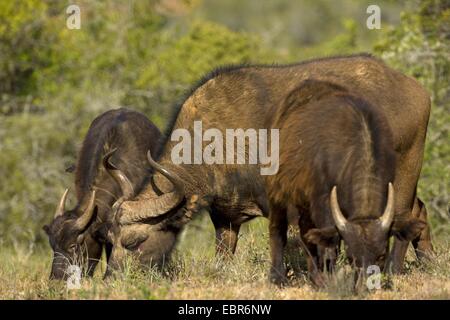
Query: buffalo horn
{"points": [[62, 204], [118, 176], [161, 204], [388, 215], [82, 221], [338, 217]]}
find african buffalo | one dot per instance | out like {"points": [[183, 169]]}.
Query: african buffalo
{"points": [[78, 235], [252, 97], [337, 163]]}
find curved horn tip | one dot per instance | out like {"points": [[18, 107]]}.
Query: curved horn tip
{"points": [[84, 219], [338, 217], [334, 190], [92, 198], [150, 158], [125, 184], [388, 214], [62, 204], [106, 160]]}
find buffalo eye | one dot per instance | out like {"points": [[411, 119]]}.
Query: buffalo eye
{"points": [[133, 243], [380, 259], [72, 247]]}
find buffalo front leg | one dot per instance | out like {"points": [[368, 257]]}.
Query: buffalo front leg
{"points": [[94, 254], [108, 250], [397, 256], [422, 244], [315, 258], [278, 225], [226, 239], [226, 234]]}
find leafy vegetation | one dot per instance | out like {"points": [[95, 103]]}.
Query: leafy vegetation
{"points": [[57, 80], [420, 47]]}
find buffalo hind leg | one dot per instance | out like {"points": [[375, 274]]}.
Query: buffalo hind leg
{"points": [[278, 226], [422, 244], [314, 260], [405, 185]]}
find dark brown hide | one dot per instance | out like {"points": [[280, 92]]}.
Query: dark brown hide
{"points": [[131, 134], [250, 97]]}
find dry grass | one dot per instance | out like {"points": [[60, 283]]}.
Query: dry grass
{"points": [[196, 274]]}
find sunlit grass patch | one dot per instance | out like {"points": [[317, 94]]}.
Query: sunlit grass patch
{"points": [[194, 272]]}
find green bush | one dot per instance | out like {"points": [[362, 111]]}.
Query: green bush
{"points": [[186, 59], [420, 47], [55, 81]]}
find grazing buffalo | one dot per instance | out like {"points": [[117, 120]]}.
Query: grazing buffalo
{"points": [[252, 98], [78, 235], [337, 164]]}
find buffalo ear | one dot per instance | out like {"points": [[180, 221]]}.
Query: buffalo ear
{"points": [[323, 237], [71, 168], [408, 230], [46, 228], [194, 205]]}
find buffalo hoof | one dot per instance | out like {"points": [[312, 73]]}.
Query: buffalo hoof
{"points": [[425, 251], [394, 268], [278, 278], [318, 280]]}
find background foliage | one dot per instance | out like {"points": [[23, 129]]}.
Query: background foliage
{"points": [[145, 54]]}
